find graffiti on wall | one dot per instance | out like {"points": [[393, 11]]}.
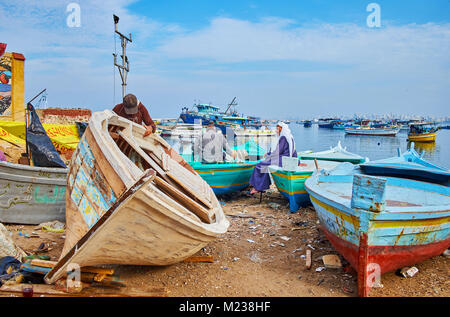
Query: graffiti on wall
{"points": [[5, 84]]}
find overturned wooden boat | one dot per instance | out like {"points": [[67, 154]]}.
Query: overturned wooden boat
{"points": [[31, 194], [381, 224], [133, 200], [408, 165], [337, 154]]}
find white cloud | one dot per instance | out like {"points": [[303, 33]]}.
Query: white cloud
{"points": [[349, 66]]}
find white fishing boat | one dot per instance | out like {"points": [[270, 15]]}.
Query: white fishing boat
{"points": [[337, 154], [133, 200], [362, 130]]}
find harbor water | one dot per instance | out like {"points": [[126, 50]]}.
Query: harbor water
{"points": [[373, 147], [320, 139]]}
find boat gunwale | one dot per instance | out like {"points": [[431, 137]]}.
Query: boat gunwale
{"points": [[32, 168]]}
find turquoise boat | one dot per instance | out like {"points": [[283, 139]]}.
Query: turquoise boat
{"points": [[225, 178], [291, 184], [381, 224], [408, 165], [336, 154]]}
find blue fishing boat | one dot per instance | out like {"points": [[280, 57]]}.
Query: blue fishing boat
{"points": [[207, 113], [381, 224], [307, 123], [225, 178], [408, 165], [291, 184]]}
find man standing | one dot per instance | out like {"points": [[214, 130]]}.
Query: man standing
{"points": [[133, 110]]}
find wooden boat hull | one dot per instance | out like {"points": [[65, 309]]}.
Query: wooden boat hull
{"points": [[426, 137], [378, 242], [292, 184], [292, 187], [225, 178], [117, 214], [31, 195], [374, 132]]}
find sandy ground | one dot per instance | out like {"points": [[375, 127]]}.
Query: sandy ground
{"points": [[262, 254]]}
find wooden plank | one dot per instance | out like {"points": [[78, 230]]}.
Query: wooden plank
{"points": [[185, 201], [144, 155], [195, 186], [43, 289], [104, 166], [86, 269], [368, 193], [197, 259]]}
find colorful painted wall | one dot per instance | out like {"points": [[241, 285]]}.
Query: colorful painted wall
{"points": [[12, 87]]}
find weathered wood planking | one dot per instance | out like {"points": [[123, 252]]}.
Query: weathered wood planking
{"points": [[154, 221], [30, 194], [414, 228], [368, 192]]}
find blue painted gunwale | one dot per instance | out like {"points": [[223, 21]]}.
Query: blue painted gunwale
{"points": [[410, 165], [356, 221]]}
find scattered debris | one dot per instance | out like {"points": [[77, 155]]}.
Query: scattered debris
{"points": [[311, 247], [52, 226], [347, 290], [446, 253], [285, 238], [320, 282], [254, 257], [332, 261], [320, 269], [241, 215], [236, 259], [308, 259], [274, 205], [409, 271], [7, 245], [251, 241]]}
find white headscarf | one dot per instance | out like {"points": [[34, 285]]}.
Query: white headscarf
{"points": [[286, 132]]}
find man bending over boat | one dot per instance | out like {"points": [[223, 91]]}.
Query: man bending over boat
{"points": [[260, 179], [213, 144], [133, 110]]}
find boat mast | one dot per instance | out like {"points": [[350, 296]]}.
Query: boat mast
{"points": [[125, 67], [231, 104]]}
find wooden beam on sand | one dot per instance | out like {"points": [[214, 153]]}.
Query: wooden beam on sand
{"points": [[50, 290], [198, 259]]}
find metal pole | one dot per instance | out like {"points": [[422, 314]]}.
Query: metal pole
{"points": [[125, 67]]}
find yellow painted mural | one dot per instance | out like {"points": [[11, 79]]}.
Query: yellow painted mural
{"points": [[12, 87], [65, 137]]}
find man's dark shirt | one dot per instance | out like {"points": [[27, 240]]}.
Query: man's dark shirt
{"points": [[141, 116]]}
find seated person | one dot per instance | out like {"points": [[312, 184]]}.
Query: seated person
{"points": [[260, 179], [213, 143]]}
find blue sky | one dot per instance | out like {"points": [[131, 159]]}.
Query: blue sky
{"points": [[297, 59]]}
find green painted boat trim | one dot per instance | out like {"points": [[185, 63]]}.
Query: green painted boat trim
{"points": [[225, 177]]}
